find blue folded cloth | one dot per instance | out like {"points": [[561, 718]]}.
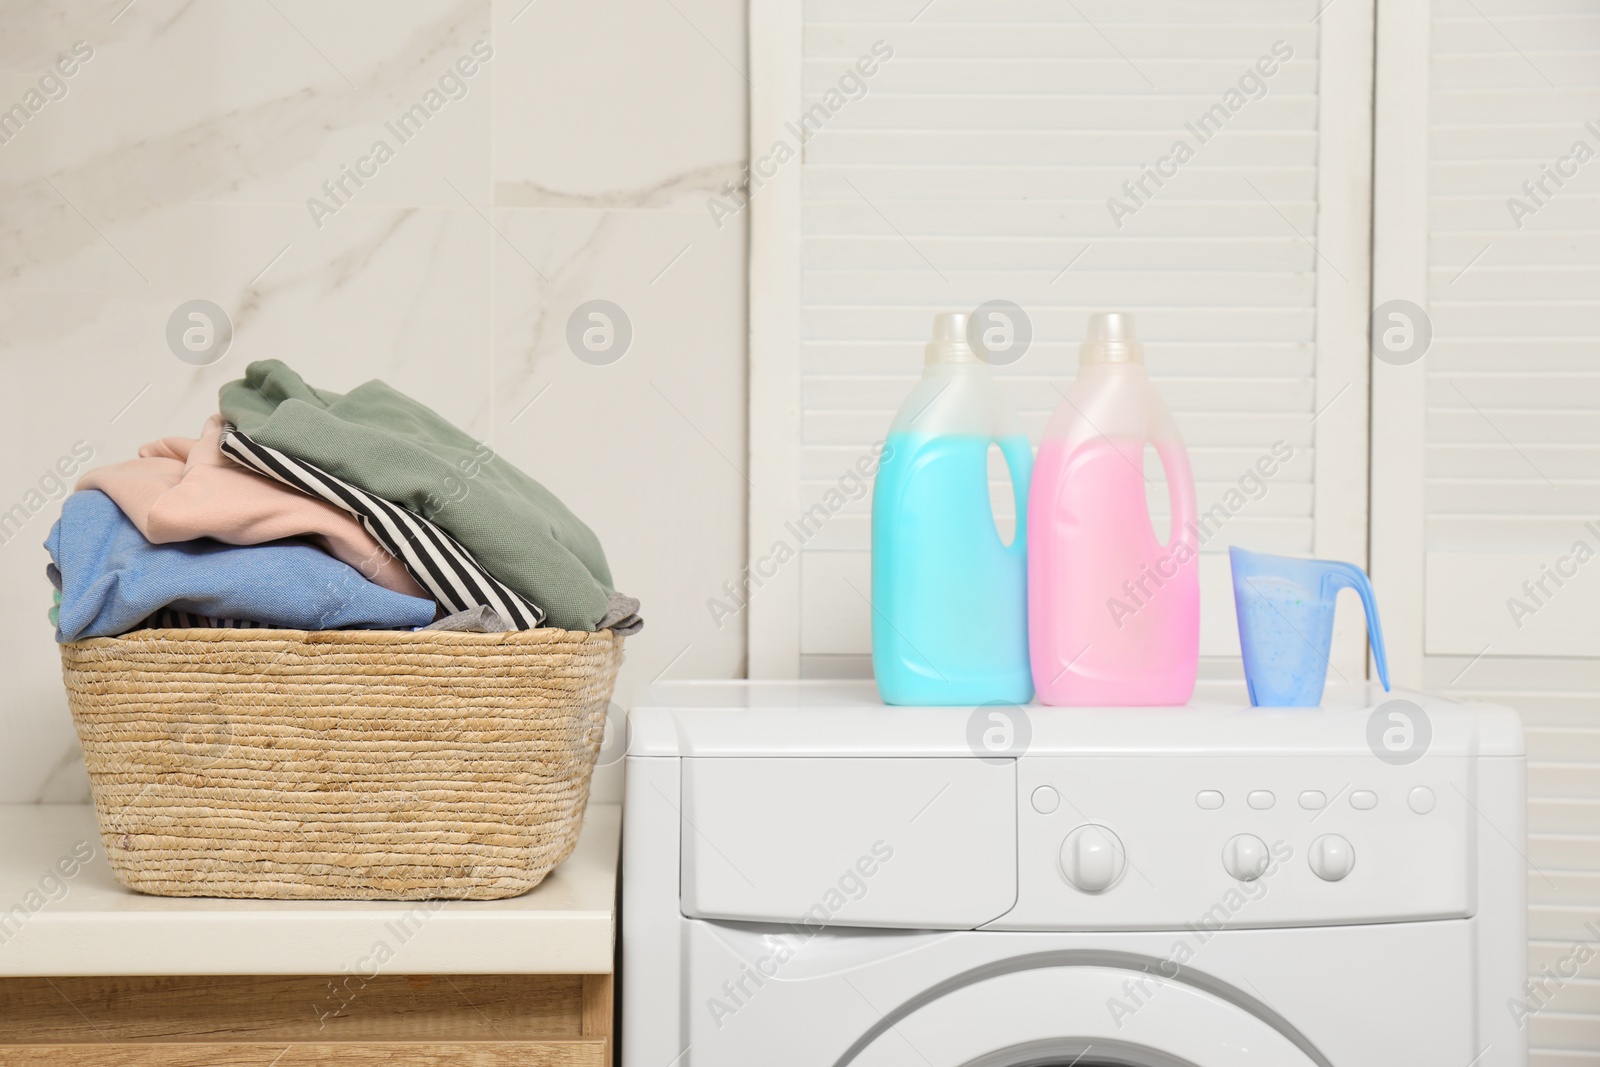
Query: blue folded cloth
{"points": [[112, 579]]}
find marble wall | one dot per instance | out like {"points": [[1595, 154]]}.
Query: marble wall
{"points": [[203, 149]]}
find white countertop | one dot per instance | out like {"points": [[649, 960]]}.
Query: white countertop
{"points": [[90, 925]]}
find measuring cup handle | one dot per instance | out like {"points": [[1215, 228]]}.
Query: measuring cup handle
{"points": [[1349, 576]]}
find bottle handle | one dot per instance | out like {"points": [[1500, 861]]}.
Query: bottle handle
{"points": [[1349, 576], [1181, 499], [1020, 484]]}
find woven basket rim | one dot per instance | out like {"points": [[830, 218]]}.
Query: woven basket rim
{"points": [[465, 638]]}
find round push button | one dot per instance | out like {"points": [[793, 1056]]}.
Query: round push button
{"points": [[1313, 800], [1331, 857], [1421, 800], [1045, 800], [1363, 800], [1208, 799], [1261, 799], [1092, 858], [1245, 857]]}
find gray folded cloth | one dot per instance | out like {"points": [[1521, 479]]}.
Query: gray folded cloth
{"points": [[622, 616], [479, 620]]}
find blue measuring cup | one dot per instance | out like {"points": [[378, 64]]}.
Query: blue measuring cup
{"points": [[1286, 624]]}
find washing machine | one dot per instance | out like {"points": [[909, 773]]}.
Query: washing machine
{"points": [[813, 878]]}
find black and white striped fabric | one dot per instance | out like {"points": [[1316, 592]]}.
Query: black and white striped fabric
{"points": [[172, 618], [435, 559]]}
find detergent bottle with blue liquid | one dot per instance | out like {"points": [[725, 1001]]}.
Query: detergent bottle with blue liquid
{"points": [[949, 594]]}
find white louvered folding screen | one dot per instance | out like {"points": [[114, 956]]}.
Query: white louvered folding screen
{"points": [[1513, 381], [1486, 451], [979, 161]]}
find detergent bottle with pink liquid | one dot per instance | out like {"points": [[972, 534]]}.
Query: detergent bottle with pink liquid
{"points": [[1113, 603]]}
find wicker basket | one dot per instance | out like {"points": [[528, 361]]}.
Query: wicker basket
{"points": [[342, 764]]}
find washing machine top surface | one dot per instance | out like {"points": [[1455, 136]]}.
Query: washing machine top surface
{"points": [[847, 719]]}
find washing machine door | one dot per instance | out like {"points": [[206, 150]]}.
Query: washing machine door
{"points": [[1083, 1012]]}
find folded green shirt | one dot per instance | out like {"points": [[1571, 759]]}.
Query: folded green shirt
{"points": [[393, 447]]}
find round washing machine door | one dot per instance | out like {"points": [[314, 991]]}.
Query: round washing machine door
{"points": [[1087, 1011]]}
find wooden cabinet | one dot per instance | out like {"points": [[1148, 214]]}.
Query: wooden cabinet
{"points": [[290, 1021]]}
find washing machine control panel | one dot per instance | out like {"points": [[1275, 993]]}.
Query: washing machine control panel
{"points": [[1153, 842]]}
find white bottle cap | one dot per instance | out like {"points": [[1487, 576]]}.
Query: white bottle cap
{"points": [[1111, 339], [949, 341]]}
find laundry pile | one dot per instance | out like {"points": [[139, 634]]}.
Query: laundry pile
{"points": [[305, 509]]}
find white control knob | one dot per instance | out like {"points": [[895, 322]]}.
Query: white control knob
{"points": [[1332, 857], [1245, 857], [1092, 858]]}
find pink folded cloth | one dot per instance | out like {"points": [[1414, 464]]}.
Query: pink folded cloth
{"points": [[180, 489]]}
